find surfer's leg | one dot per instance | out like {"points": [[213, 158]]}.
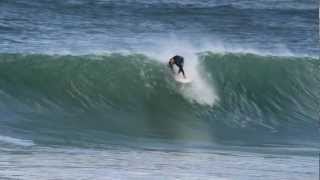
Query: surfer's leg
{"points": [[181, 70]]}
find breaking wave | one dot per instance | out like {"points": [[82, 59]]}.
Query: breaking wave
{"points": [[234, 97]]}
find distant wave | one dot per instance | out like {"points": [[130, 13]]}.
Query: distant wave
{"points": [[258, 4], [241, 97]]}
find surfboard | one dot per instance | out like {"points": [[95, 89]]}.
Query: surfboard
{"points": [[182, 79]]}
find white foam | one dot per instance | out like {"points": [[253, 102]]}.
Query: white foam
{"points": [[200, 90], [173, 44], [161, 43], [15, 141]]}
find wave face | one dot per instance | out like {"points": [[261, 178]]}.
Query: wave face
{"points": [[79, 99]]}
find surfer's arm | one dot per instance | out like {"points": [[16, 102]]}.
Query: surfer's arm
{"points": [[171, 67]]}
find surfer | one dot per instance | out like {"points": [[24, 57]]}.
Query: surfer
{"points": [[178, 61]]}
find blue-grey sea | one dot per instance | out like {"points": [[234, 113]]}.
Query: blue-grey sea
{"points": [[86, 92]]}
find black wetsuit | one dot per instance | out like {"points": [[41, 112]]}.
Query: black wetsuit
{"points": [[178, 60]]}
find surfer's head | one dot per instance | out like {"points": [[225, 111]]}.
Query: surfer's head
{"points": [[171, 61]]}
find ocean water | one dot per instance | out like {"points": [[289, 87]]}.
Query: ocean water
{"points": [[85, 91]]}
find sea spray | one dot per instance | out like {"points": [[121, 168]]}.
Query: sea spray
{"points": [[199, 91]]}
